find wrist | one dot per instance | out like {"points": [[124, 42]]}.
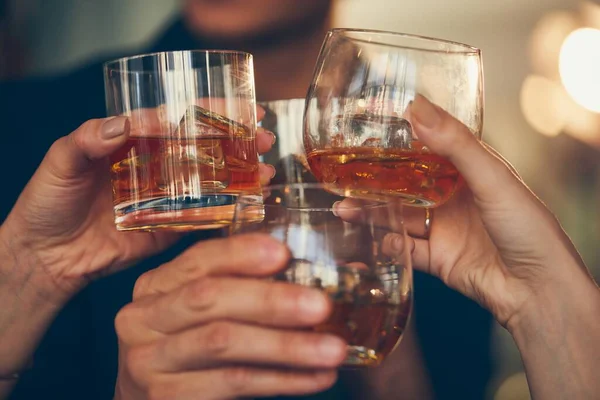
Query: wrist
{"points": [[25, 276], [29, 304], [573, 298], [557, 335]]}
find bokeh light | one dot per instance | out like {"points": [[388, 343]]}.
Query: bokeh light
{"points": [[546, 41], [580, 67], [543, 105], [590, 13], [582, 124]]}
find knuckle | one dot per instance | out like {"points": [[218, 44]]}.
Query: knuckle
{"points": [[238, 379], [56, 147], [288, 344], [85, 130], [142, 284], [123, 322], [90, 124], [271, 297], [202, 294], [54, 158], [218, 337]]}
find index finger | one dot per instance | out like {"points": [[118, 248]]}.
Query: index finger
{"points": [[413, 218], [256, 255], [486, 174]]}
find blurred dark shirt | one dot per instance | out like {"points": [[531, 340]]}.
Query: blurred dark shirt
{"points": [[78, 357]]}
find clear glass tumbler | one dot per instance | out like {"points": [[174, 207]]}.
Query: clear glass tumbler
{"points": [[192, 146], [355, 251]]}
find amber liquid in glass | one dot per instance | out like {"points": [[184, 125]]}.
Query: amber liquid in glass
{"points": [[369, 311], [415, 174], [372, 330], [182, 183]]}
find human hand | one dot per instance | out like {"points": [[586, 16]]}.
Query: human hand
{"points": [[494, 241], [202, 326], [63, 220]]}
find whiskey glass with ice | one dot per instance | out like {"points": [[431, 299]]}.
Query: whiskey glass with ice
{"points": [[192, 146], [358, 135]]}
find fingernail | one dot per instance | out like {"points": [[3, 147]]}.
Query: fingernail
{"points": [[273, 170], [115, 127], [424, 112], [273, 137], [312, 302], [331, 347], [334, 208], [260, 112]]}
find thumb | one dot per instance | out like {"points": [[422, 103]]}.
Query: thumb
{"points": [[72, 155], [485, 173]]}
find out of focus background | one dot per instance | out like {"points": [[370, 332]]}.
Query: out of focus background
{"points": [[542, 79]]}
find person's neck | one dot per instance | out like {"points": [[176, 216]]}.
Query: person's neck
{"points": [[285, 70]]}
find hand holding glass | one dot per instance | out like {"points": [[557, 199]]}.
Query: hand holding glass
{"points": [[358, 135], [192, 144], [362, 265]]}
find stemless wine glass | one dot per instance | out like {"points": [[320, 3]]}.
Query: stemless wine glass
{"points": [[354, 252], [357, 131], [192, 145]]}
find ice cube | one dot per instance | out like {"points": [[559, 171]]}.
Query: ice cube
{"points": [[193, 160], [194, 156], [371, 130], [208, 152], [198, 121], [371, 142], [194, 164]]}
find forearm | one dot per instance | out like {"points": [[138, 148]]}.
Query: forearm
{"points": [[559, 340], [28, 308]]}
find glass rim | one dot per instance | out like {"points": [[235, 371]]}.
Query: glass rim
{"points": [[108, 65], [459, 48], [311, 186]]}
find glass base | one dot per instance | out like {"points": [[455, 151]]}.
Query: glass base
{"points": [[416, 201], [180, 214], [409, 199], [359, 356]]}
